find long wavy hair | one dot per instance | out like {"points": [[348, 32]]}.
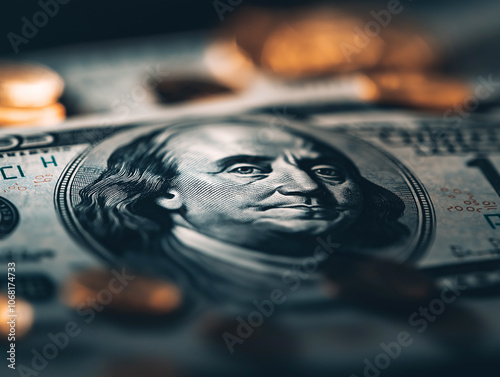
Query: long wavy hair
{"points": [[120, 211]]}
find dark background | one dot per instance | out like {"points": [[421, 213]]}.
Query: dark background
{"points": [[93, 20]]}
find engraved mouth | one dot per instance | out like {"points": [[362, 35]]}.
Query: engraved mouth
{"points": [[304, 206], [309, 211]]}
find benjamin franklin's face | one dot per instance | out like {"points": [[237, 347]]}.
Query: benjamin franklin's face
{"points": [[240, 187]]}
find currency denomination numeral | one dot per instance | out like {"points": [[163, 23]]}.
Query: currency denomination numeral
{"points": [[470, 204], [15, 187], [43, 178]]}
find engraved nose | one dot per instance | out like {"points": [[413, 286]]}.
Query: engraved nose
{"points": [[296, 182]]}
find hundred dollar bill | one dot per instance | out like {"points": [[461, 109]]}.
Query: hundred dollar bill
{"points": [[210, 199], [239, 211]]}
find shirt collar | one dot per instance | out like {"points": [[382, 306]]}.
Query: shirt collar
{"points": [[233, 254]]}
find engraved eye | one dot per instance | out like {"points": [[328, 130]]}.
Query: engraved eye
{"points": [[328, 171], [246, 170]]}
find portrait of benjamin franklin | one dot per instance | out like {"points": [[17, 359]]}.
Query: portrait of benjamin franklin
{"points": [[219, 198]]}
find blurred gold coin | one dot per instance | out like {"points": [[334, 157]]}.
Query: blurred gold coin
{"points": [[38, 116], [23, 321], [320, 45], [135, 295], [406, 50], [28, 85], [413, 90]]}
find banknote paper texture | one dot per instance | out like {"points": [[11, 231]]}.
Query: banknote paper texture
{"points": [[208, 200]]}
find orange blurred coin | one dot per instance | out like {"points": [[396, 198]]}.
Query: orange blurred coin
{"points": [[28, 85], [39, 116], [320, 45], [139, 295], [414, 90], [23, 321]]}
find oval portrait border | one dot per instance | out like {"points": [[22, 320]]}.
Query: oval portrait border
{"points": [[425, 231]]}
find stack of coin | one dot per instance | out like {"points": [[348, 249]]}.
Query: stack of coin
{"points": [[317, 41], [140, 295], [29, 95], [16, 317], [400, 62]]}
